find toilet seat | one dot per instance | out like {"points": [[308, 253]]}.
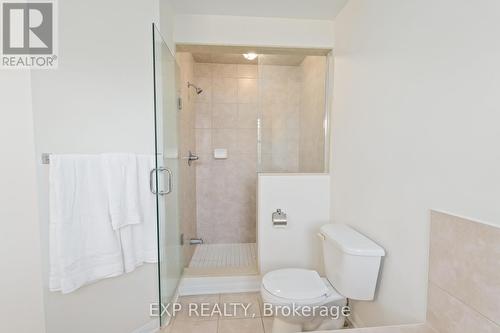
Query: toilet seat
{"points": [[297, 286]]}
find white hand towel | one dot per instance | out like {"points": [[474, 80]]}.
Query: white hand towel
{"points": [[138, 241], [146, 163], [121, 178], [83, 245]]}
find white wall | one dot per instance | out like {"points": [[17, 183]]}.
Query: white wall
{"points": [[166, 24], [21, 304], [305, 198], [253, 31], [415, 126], [100, 99]]}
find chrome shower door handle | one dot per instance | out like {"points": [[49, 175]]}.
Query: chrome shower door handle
{"points": [[170, 176], [151, 181]]}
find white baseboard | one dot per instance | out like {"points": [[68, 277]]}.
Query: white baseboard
{"points": [[219, 284], [150, 327]]}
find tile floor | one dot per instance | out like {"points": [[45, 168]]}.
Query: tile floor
{"points": [[254, 321], [234, 322]]}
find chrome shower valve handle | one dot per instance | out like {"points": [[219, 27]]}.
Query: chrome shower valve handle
{"points": [[192, 157]]}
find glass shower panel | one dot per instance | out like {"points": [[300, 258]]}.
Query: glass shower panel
{"points": [[292, 118], [167, 169]]}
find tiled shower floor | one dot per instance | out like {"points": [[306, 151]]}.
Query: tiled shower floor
{"points": [[223, 259]]}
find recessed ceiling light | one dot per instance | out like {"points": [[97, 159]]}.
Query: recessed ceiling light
{"points": [[250, 55]]}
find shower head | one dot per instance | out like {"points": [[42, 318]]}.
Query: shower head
{"points": [[196, 88]]}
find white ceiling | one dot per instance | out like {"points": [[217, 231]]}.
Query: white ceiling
{"points": [[263, 59], [234, 54], [303, 9]]}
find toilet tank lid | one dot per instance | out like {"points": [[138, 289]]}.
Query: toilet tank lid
{"points": [[350, 241]]}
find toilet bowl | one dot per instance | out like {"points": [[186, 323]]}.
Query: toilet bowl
{"points": [[300, 300]]}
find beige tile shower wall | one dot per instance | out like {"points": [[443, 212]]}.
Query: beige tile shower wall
{"points": [[464, 276], [280, 126], [187, 142], [226, 117], [312, 115]]}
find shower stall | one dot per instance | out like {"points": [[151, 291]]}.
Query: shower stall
{"points": [[223, 115]]}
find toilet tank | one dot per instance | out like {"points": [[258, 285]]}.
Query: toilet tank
{"points": [[351, 260]]}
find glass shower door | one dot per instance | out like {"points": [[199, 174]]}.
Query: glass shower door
{"points": [[167, 166]]}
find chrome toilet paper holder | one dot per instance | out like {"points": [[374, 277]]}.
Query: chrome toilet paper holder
{"points": [[279, 219]]}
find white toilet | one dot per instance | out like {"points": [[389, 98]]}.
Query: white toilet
{"points": [[351, 263]]}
